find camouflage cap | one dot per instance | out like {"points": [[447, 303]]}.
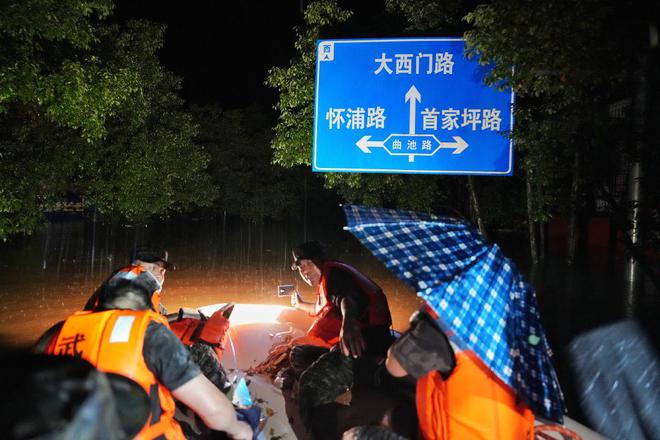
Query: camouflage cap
{"points": [[153, 254], [424, 348]]}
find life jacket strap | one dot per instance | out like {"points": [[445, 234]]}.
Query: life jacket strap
{"points": [[154, 402]]}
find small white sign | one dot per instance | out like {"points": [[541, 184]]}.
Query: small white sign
{"points": [[327, 51]]}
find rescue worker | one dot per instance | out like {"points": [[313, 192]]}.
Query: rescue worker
{"points": [[154, 260], [353, 322], [126, 337], [458, 396]]}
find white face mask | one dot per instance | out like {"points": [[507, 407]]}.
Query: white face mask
{"points": [[149, 271]]}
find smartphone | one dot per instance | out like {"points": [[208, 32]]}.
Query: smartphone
{"points": [[285, 289]]}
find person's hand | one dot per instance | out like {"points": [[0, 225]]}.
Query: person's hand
{"points": [[351, 434], [240, 431], [296, 299], [351, 341]]}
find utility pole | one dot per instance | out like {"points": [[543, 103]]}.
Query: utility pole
{"points": [[533, 247], [632, 273], [475, 206]]}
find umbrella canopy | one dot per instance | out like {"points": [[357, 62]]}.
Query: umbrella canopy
{"points": [[483, 301]]}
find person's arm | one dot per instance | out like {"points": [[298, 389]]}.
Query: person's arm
{"points": [[393, 366], [174, 368], [300, 304], [213, 407], [352, 303], [351, 340]]}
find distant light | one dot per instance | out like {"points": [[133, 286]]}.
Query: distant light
{"points": [[248, 313]]}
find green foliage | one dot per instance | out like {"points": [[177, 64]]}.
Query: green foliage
{"points": [[48, 61], [29, 21], [292, 143], [87, 108], [431, 15], [238, 142], [568, 68], [555, 53], [501, 200], [156, 170], [149, 163], [412, 192], [35, 156]]}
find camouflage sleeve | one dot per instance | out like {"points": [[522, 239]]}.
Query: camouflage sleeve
{"points": [[167, 357]]}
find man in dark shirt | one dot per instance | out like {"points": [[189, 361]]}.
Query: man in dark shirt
{"points": [[353, 319]]}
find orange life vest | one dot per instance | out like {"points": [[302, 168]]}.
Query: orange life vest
{"points": [[112, 341], [471, 404], [328, 318]]}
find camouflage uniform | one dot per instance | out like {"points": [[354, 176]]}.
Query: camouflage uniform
{"points": [[324, 380]]}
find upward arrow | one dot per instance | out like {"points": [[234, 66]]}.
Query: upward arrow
{"points": [[413, 96]]}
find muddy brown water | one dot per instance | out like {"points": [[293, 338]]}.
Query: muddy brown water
{"points": [[46, 277]]}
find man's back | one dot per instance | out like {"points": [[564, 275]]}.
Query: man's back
{"points": [[116, 341]]}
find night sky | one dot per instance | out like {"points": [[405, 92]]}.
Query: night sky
{"points": [[222, 49]]}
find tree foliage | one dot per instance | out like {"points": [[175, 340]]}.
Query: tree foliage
{"points": [[586, 105], [150, 160], [292, 143], [48, 61], [501, 199], [87, 108], [238, 142], [567, 73]]}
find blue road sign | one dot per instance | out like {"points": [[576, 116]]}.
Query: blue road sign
{"points": [[408, 106]]}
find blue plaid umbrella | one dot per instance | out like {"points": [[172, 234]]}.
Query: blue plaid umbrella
{"points": [[479, 294]]}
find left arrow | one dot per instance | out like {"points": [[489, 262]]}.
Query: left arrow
{"points": [[364, 144]]}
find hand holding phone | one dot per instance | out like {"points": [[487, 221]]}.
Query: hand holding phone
{"points": [[296, 300]]}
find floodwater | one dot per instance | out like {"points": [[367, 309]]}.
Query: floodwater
{"points": [[47, 276]]}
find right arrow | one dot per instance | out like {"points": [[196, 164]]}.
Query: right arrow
{"points": [[364, 144], [459, 145]]}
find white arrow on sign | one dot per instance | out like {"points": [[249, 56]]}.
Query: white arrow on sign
{"points": [[458, 146], [413, 96], [364, 144]]}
